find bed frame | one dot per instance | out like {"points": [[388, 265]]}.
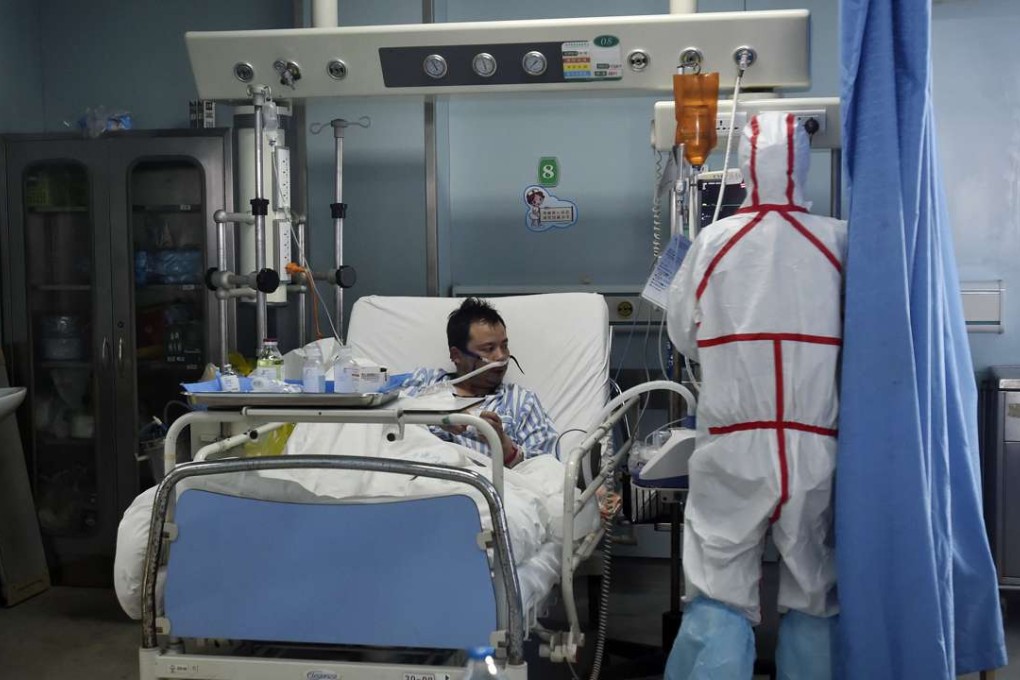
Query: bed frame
{"points": [[285, 584]]}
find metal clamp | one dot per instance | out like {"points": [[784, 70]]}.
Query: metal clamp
{"points": [[499, 640]]}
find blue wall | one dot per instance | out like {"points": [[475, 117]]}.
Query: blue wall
{"points": [[607, 166], [131, 55], [977, 108], [21, 106]]}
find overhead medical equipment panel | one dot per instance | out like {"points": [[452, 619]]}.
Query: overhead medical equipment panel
{"points": [[636, 53], [824, 111]]}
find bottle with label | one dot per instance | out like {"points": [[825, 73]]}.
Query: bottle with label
{"points": [[343, 372], [313, 374], [482, 666], [229, 381], [270, 361]]}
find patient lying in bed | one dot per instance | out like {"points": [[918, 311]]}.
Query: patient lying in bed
{"points": [[476, 335], [533, 495], [533, 490]]}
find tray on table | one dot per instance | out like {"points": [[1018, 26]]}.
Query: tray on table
{"points": [[336, 400]]}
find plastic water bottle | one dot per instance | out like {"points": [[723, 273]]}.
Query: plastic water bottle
{"points": [[343, 372], [270, 361], [314, 375], [229, 382], [481, 665]]}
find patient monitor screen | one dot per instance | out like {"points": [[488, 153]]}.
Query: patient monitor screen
{"points": [[709, 191]]}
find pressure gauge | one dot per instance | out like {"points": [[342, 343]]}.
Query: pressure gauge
{"points": [[484, 64], [534, 63], [435, 66]]}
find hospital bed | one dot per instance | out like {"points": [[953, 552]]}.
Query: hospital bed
{"points": [[292, 576]]}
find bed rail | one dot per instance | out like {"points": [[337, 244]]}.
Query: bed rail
{"points": [[565, 647], [509, 614]]}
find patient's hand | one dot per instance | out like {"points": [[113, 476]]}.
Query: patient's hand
{"points": [[511, 452]]}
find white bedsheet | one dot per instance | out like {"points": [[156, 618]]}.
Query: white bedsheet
{"points": [[533, 498]]}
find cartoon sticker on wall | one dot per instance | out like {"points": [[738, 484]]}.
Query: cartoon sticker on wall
{"points": [[546, 211]]}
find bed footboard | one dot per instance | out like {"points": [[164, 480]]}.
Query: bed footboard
{"points": [[410, 573], [379, 574]]}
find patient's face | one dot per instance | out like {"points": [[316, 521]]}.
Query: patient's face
{"points": [[488, 343]]}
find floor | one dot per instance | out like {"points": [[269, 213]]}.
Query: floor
{"points": [[81, 633]]}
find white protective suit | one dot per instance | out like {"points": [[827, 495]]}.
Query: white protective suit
{"points": [[757, 303]]}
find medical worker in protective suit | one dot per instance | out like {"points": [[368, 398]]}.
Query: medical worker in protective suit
{"points": [[757, 304]]}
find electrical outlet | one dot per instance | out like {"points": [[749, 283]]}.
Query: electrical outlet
{"points": [[722, 122]]}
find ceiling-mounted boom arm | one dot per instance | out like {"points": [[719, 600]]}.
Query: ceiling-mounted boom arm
{"points": [[635, 53]]}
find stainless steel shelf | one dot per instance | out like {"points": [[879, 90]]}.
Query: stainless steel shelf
{"points": [[172, 287], [182, 208]]}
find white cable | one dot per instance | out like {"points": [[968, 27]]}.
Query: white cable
{"points": [[648, 387], [657, 203], [662, 365], [690, 374], [729, 144]]}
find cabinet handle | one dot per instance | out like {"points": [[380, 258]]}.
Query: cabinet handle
{"points": [[105, 355], [120, 353]]}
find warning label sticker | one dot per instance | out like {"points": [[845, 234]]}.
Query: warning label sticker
{"points": [[598, 59]]}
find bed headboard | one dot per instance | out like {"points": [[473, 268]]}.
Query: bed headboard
{"points": [[562, 341]]}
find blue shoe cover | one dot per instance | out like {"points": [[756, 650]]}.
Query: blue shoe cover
{"points": [[715, 642], [806, 647]]}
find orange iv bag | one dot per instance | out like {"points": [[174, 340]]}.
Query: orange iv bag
{"points": [[696, 97]]}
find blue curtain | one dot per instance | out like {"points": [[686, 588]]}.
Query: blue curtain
{"points": [[917, 586]]}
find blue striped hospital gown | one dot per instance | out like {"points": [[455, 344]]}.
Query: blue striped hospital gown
{"points": [[524, 419]]}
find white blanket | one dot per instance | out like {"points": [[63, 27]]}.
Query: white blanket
{"points": [[533, 492]]}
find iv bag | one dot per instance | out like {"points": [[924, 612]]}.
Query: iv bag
{"points": [[696, 98]]}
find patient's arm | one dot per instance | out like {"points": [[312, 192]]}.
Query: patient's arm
{"points": [[512, 453], [533, 431]]}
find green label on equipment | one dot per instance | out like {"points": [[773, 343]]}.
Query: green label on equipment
{"points": [[549, 171], [606, 41]]}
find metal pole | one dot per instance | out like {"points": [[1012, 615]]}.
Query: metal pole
{"points": [[675, 524], [694, 204], [836, 183], [221, 262], [428, 16], [431, 201], [261, 309], [302, 296], [339, 210], [683, 6], [675, 218]]}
